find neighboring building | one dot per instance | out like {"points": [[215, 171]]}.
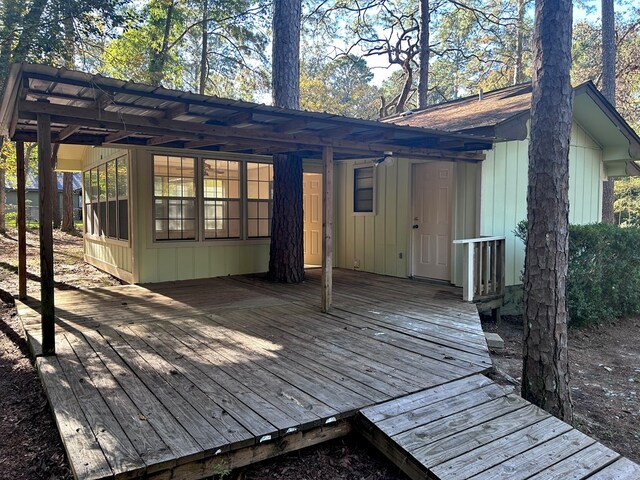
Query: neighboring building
{"points": [[32, 196]]}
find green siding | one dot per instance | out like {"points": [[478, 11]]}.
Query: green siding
{"points": [[504, 192], [375, 243]]}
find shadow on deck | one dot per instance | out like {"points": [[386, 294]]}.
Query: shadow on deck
{"points": [[185, 379]]}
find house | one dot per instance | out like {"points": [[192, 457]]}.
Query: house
{"points": [[494, 191], [178, 206], [190, 379], [32, 196]]}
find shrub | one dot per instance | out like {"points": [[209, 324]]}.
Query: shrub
{"points": [[603, 281]]}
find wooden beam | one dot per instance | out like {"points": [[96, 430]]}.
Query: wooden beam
{"points": [[66, 132], [22, 222], [45, 175], [238, 119], [162, 140], [157, 126], [114, 137], [327, 227]]}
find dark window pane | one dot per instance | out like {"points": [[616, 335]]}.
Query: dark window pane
{"points": [[123, 219], [112, 213]]}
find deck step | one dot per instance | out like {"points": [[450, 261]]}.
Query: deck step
{"points": [[476, 429]]}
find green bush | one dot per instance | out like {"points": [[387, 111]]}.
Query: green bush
{"points": [[603, 280]]}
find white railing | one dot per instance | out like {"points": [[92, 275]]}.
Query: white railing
{"points": [[483, 270]]}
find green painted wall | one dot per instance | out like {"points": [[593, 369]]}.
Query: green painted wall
{"points": [[504, 192], [380, 242]]}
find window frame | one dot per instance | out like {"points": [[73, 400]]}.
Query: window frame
{"points": [[102, 233], [244, 238], [374, 188]]}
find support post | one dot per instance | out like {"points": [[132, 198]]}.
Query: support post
{"points": [[22, 222], [327, 227], [45, 173]]}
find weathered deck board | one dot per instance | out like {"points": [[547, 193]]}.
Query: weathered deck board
{"points": [[176, 378], [474, 429]]}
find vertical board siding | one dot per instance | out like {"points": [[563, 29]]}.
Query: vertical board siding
{"points": [[376, 243], [504, 192]]}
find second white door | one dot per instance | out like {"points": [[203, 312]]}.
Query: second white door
{"points": [[431, 227]]}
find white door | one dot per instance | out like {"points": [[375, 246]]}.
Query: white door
{"points": [[312, 205], [431, 227]]}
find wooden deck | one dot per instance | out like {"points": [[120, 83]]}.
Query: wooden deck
{"points": [[475, 429], [185, 379]]}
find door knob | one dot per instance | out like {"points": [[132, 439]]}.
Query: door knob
{"points": [[416, 226]]}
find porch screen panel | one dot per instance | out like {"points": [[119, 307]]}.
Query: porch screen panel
{"points": [[112, 200], [174, 198], [95, 222], [221, 180], [102, 200], [259, 199], [122, 169], [86, 195]]}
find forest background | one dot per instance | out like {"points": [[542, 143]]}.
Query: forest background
{"points": [[359, 58]]}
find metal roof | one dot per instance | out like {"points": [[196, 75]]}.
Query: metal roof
{"points": [[91, 109]]}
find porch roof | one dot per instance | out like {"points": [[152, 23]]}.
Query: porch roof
{"points": [[88, 109]]}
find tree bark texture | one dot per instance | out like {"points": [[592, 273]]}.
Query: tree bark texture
{"points": [[67, 203], [423, 76], [609, 91], [517, 71], [286, 53], [286, 254], [545, 376], [57, 217], [204, 63], [286, 259]]}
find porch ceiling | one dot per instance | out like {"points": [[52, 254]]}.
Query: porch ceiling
{"points": [[90, 109]]}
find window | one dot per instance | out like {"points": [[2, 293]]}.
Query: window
{"points": [[221, 192], [211, 198], [259, 199], [106, 199], [174, 198], [363, 182]]}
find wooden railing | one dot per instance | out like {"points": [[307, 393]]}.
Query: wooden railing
{"points": [[483, 270]]}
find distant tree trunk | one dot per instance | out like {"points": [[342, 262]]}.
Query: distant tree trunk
{"points": [[517, 70], [401, 105], [545, 375], [57, 218], [423, 80], [67, 177], [609, 91], [67, 203], [159, 60], [286, 255], [3, 202], [204, 71]]}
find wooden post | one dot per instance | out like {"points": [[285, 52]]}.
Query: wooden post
{"points": [[22, 222], [327, 227], [45, 173]]}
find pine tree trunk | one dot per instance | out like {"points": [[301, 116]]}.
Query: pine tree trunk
{"points": [[286, 255], [609, 91], [67, 203], [545, 375], [56, 217], [159, 60], [517, 71], [423, 76], [205, 48]]}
